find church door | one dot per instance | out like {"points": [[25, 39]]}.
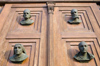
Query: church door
{"points": [[50, 40]]}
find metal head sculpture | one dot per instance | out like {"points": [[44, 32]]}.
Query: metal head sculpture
{"points": [[74, 13], [27, 16], [83, 47], [19, 54], [83, 55], [75, 18]]}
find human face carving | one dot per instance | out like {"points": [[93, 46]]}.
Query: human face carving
{"points": [[18, 49], [83, 47], [26, 14], [74, 13]]}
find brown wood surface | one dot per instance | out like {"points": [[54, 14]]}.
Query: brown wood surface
{"points": [[18, 1], [70, 35], [1, 8], [33, 37], [50, 40]]}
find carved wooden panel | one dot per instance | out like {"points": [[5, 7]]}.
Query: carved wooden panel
{"points": [[50, 40], [93, 48], [17, 29], [32, 50], [48, 1], [33, 37], [86, 15], [68, 36]]}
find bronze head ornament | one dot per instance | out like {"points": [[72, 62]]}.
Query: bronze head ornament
{"points": [[27, 16], [19, 53], [75, 18], [83, 55]]}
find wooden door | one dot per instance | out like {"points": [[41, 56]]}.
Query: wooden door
{"points": [[67, 36], [33, 37], [51, 40]]}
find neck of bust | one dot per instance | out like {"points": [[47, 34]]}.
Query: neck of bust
{"points": [[84, 54], [26, 19]]}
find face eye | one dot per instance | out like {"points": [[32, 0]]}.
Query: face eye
{"points": [[85, 46], [19, 47], [81, 46], [15, 48]]}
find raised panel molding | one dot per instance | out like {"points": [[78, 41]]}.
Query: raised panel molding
{"points": [[85, 13], [33, 37], [32, 50], [50, 41], [68, 36], [72, 49], [18, 30]]}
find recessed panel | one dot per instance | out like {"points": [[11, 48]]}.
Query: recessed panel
{"points": [[30, 49], [73, 49], [36, 26], [84, 15], [74, 26]]}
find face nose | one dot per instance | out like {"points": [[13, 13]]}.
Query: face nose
{"points": [[83, 46], [16, 49]]}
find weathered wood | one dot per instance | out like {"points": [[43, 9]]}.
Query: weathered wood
{"points": [[50, 34], [1, 8], [51, 40], [4, 13], [33, 37], [30, 1], [70, 34]]}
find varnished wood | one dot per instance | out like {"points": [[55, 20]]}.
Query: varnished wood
{"points": [[50, 41], [1, 8], [69, 35], [33, 37], [30, 1]]}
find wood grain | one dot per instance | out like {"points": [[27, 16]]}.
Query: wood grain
{"points": [[30, 1], [51, 40]]}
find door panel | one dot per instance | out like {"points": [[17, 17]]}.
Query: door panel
{"points": [[32, 50], [50, 40], [72, 49], [70, 35], [33, 37]]}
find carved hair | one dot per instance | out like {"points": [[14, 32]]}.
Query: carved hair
{"points": [[23, 49]]}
